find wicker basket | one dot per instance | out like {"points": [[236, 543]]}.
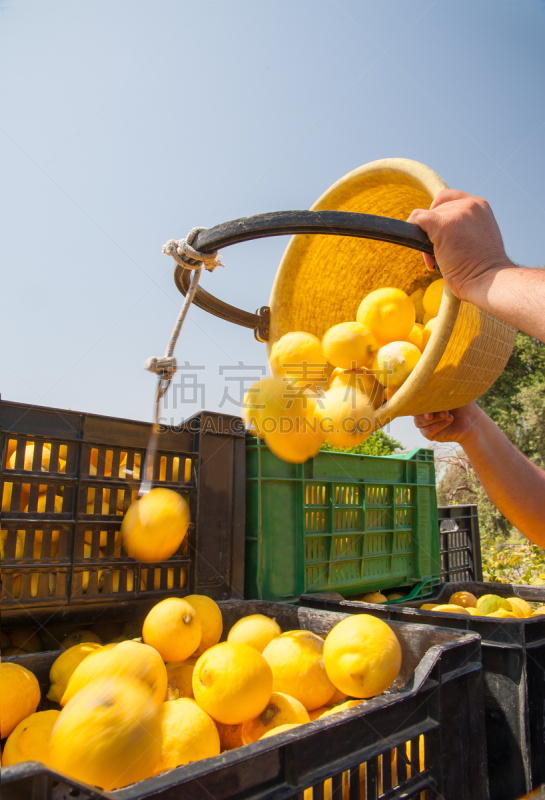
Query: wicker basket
{"points": [[322, 280], [347, 246]]}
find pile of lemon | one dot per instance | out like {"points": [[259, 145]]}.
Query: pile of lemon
{"points": [[133, 709], [488, 605], [329, 390]]}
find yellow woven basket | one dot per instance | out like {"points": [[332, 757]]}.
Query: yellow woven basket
{"points": [[322, 280]]}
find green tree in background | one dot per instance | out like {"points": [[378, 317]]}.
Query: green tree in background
{"points": [[516, 402], [378, 444]]}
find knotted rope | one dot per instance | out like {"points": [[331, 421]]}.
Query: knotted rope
{"points": [[186, 256], [165, 367]]}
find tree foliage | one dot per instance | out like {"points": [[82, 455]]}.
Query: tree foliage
{"points": [[516, 402], [378, 444]]}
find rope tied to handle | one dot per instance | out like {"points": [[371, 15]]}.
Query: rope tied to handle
{"points": [[186, 256], [165, 367]]}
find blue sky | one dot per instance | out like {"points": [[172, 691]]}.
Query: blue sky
{"points": [[126, 123]]}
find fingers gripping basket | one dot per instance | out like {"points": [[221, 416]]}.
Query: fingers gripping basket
{"points": [[344, 248]]}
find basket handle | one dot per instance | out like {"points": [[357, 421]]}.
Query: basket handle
{"points": [[280, 223]]}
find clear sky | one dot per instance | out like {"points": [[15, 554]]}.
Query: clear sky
{"points": [[126, 123]]}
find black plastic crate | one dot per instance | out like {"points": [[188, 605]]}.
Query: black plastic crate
{"points": [[513, 671], [460, 544], [62, 510], [435, 697]]}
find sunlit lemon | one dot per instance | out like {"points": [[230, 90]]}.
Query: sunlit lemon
{"points": [[30, 739], [173, 627], [187, 734], [280, 710], [394, 363], [297, 662], [255, 630], [345, 415], [388, 313], [109, 734], [155, 525], [349, 345], [362, 656], [232, 682], [433, 296]]}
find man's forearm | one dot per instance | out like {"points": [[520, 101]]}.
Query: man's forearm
{"points": [[515, 294], [511, 481]]}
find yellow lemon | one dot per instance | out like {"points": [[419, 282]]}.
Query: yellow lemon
{"points": [[78, 637], [395, 596], [349, 345], [297, 663], [20, 693], [10, 449], [187, 734], [63, 667], [26, 639], [428, 606], [180, 677], [373, 597], [288, 424], [464, 599], [416, 336], [106, 465], [417, 298], [256, 401], [281, 729], [341, 707], [300, 357], [345, 415], [502, 613], [155, 526], [491, 602], [19, 543], [539, 611], [394, 363], [389, 393], [42, 504], [103, 541], [338, 697], [209, 614], [34, 584], [173, 628], [255, 630], [451, 609], [427, 318], [232, 682], [517, 605], [29, 741], [138, 661], [364, 382], [427, 332], [230, 736], [280, 710], [362, 656], [388, 313], [43, 466], [473, 611], [109, 735], [433, 296], [316, 713]]}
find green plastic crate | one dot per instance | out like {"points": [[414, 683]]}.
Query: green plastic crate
{"points": [[339, 522]]}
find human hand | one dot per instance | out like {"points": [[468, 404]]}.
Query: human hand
{"points": [[449, 426], [466, 239]]}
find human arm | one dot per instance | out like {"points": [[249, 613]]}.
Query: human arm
{"points": [[470, 252], [514, 484]]}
